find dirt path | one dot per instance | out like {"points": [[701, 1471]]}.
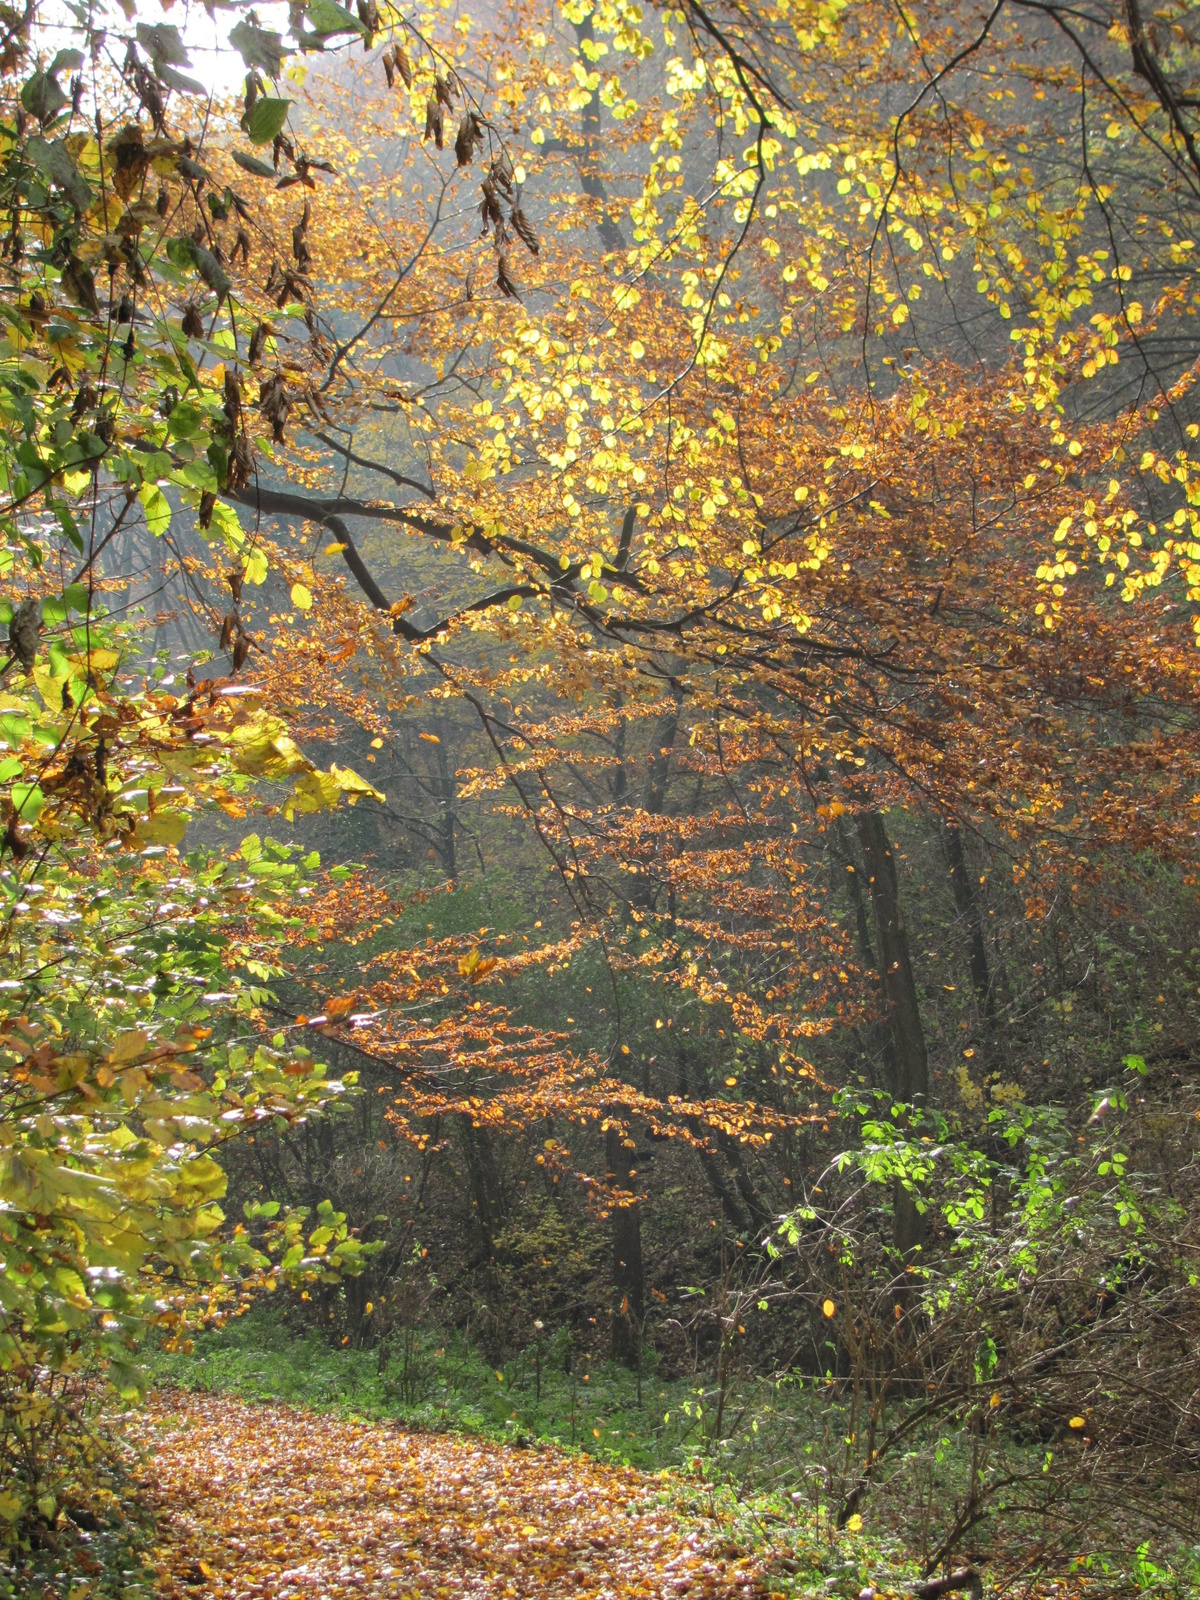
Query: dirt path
{"points": [[268, 1502]]}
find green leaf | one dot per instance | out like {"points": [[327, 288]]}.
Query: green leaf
{"points": [[212, 272], [251, 164], [181, 252], [258, 47], [66, 61], [42, 96], [28, 800], [267, 119], [177, 80], [52, 158], [326, 17], [157, 509], [164, 42]]}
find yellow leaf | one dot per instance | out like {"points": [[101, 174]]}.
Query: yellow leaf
{"points": [[349, 782], [164, 827], [256, 567], [50, 688], [1077, 1422], [128, 1045], [854, 1523], [301, 597], [264, 749], [99, 657], [829, 1308]]}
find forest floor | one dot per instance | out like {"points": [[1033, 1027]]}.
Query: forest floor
{"points": [[270, 1501]]}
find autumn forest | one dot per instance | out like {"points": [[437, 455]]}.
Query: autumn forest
{"points": [[599, 799]]}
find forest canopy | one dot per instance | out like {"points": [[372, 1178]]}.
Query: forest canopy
{"points": [[599, 741]]}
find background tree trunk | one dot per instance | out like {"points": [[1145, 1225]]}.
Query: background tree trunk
{"points": [[628, 1279], [910, 1061]]}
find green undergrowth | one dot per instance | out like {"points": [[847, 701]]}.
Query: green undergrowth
{"points": [[763, 1475], [444, 1384], [96, 1548]]}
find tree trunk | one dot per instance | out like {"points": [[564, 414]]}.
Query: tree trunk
{"points": [[966, 903], [880, 1048], [445, 842], [483, 1182], [910, 1062], [662, 743], [911, 1082], [628, 1279]]}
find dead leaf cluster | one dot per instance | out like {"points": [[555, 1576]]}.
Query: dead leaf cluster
{"points": [[270, 1501]]}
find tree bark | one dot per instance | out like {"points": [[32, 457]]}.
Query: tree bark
{"points": [[628, 1277], [966, 903], [447, 821], [483, 1181], [911, 1082], [910, 1060]]}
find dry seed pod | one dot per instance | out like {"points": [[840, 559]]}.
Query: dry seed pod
{"points": [[193, 323], [523, 230], [23, 632], [241, 463], [504, 282], [300, 248], [469, 134], [257, 340], [389, 70], [489, 208], [502, 173], [435, 124]]}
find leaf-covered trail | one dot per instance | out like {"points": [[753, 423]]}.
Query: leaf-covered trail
{"points": [[269, 1502]]}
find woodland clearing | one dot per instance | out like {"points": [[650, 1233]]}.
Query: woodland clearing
{"points": [[271, 1501]]}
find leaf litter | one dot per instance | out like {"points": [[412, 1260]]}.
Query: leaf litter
{"points": [[271, 1502]]}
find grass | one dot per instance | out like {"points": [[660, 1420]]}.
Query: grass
{"points": [[444, 1383]]}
